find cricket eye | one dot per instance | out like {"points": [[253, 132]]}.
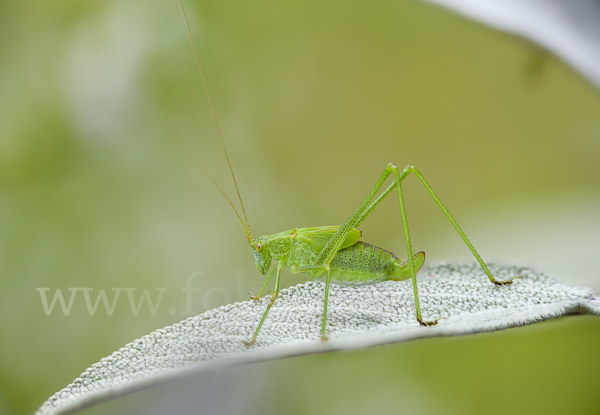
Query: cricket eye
{"points": [[259, 247]]}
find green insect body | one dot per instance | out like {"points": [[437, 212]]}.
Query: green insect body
{"points": [[356, 263], [334, 254], [363, 263]]}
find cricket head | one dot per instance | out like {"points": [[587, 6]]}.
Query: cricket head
{"points": [[262, 256]]}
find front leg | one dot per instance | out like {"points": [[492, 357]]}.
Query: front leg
{"points": [[273, 298], [257, 297]]}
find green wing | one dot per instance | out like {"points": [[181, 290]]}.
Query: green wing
{"points": [[318, 237]]}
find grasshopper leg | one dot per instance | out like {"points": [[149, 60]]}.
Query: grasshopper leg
{"points": [[326, 299], [256, 298], [458, 229], [323, 336], [504, 282], [399, 176], [273, 298]]}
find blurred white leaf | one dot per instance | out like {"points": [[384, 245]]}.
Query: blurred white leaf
{"points": [[569, 29]]}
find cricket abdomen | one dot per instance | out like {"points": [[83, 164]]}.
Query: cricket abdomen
{"points": [[363, 263]]}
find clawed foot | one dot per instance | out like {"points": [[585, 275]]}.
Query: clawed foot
{"points": [[429, 323], [250, 343], [505, 282], [324, 338], [252, 297]]}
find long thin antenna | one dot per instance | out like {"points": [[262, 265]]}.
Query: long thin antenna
{"points": [[201, 164], [247, 226]]}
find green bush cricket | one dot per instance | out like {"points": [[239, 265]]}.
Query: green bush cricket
{"points": [[334, 254]]}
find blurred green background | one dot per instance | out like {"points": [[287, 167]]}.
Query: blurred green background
{"points": [[313, 99]]}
